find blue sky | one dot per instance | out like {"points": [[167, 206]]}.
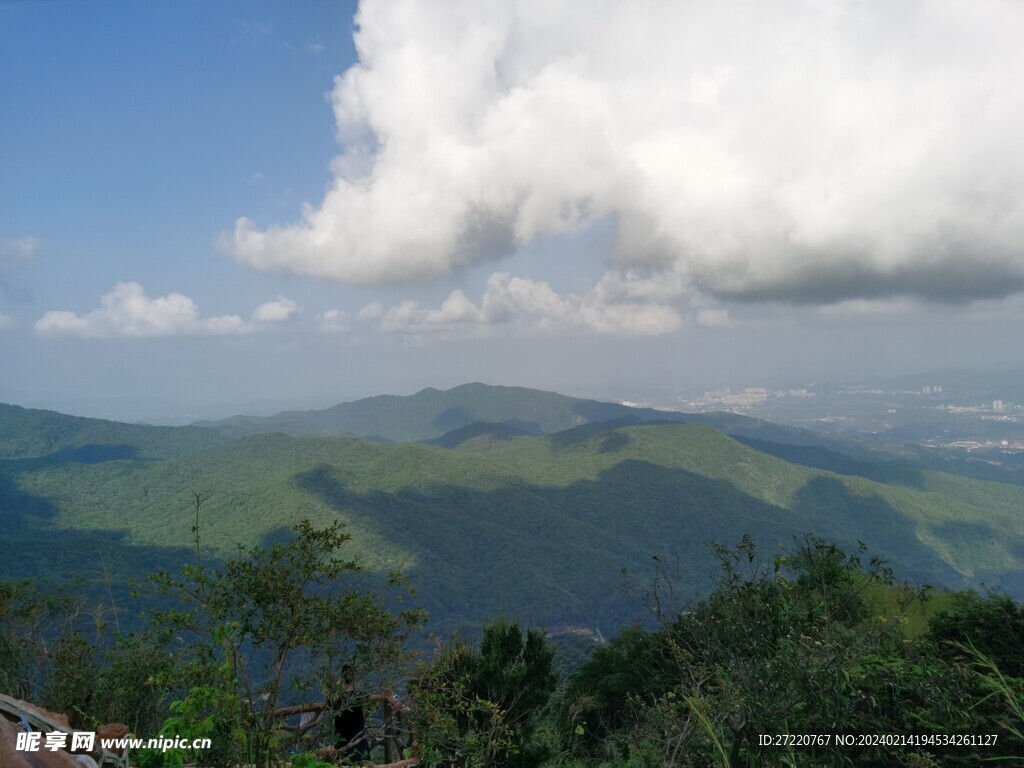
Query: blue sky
{"points": [[219, 203]]}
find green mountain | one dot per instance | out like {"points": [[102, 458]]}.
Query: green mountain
{"points": [[38, 435], [490, 519], [441, 417], [436, 417], [431, 413]]}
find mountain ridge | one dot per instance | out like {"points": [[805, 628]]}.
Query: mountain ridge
{"points": [[538, 526]]}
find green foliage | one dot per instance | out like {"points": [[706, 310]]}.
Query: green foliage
{"points": [[813, 641], [26, 616], [56, 648], [1009, 690], [269, 624], [993, 626], [600, 698], [570, 509], [794, 646], [210, 711], [573, 649], [428, 414], [74, 671], [454, 724], [99, 678], [514, 673], [307, 760], [477, 706], [41, 438], [128, 687]]}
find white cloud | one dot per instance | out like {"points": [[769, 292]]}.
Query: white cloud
{"points": [[315, 46], [372, 311], [810, 152], [333, 321], [533, 305], [128, 312], [278, 311], [6, 321]]}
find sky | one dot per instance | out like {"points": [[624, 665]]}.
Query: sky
{"points": [[208, 208]]}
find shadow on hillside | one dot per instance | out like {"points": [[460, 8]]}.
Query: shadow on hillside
{"points": [[872, 520], [282, 534], [453, 418], [495, 430], [890, 473], [614, 439], [526, 427], [995, 545], [595, 411], [82, 454], [61, 553], [483, 552], [95, 567], [15, 504]]}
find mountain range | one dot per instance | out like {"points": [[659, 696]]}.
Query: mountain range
{"points": [[490, 499]]}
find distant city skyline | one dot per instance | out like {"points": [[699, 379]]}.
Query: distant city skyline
{"points": [[312, 202]]}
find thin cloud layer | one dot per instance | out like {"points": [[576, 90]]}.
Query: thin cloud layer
{"points": [[127, 312], [808, 153], [15, 254], [332, 321], [529, 304]]}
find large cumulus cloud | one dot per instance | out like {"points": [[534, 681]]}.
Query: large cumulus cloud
{"points": [[809, 152]]}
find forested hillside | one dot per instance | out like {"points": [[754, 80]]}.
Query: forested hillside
{"points": [[269, 545], [446, 417], [534, 526]]}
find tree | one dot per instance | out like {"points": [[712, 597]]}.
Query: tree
{"points": [[811, 642], [56, 650], [26, 617], [478, 706], [270, 624], [993, 625], [593, 712]]}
